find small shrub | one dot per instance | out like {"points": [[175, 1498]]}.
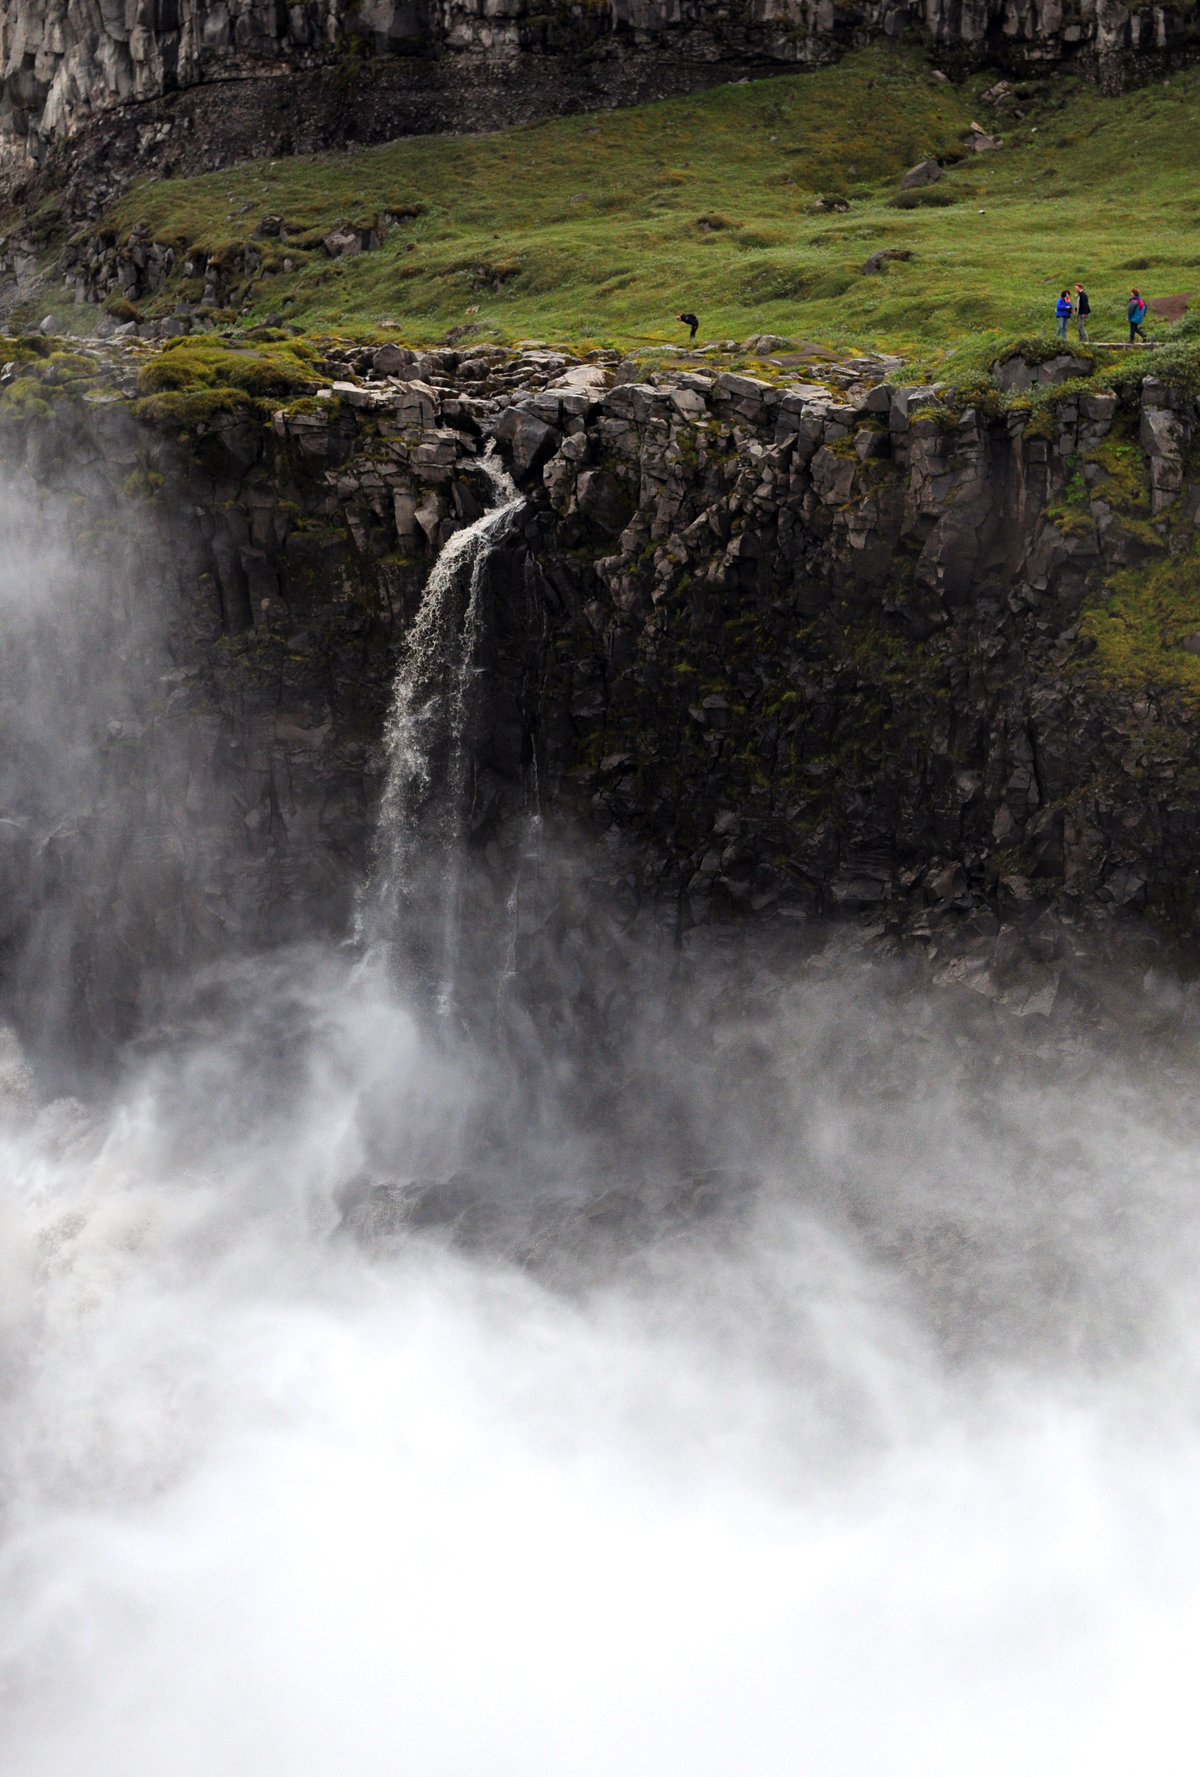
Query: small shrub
{"points": [[120, 310], [928, 198], [759, 238], [1177, 363]]}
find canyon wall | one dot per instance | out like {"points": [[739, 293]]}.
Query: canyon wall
{"points": [[758, 649], [154, 85]]}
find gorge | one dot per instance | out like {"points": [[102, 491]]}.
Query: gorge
{"points": [[596, 1093], [718, 1335], [599, 1009]]}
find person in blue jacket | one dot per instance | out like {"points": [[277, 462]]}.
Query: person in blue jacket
{"points": [[1064, 308], [1136, 314]]}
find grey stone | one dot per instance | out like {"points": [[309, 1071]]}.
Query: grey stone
{"points": [[393, 361], [1062, 369], [1099, 407], [926, 172], [530, 441], [346, 241], [417, 404]]}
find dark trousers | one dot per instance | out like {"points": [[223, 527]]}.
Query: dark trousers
{"points": [[1136, 327]]}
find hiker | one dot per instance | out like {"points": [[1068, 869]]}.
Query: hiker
{"points": [[1064, 309], [689, 320], [1136, 314], [1083, 309]]}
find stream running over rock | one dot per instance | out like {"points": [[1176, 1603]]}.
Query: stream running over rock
{"points": [[414, 893]]}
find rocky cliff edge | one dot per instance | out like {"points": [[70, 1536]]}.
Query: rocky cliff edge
{"points": [[760, 647]]}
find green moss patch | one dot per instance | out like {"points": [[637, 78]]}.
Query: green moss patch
{"points": [[203, 367], [1126, 483], [194, 407], [1142, 623]]}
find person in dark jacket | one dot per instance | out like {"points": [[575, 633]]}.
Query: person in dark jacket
{"points": [[1136, 314], [1064, 309], [1083, 309], [689, 320]]}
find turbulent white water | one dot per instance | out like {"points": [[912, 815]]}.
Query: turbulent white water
{"points": [[901, 1475], [891, 1465]]}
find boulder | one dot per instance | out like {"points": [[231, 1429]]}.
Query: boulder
{"points": [[1062, 369], [1018, 373], [1164, 439], [433, 459], [907, 402], [405, 507], [745, 396], [1101, 408], [428, 516], [531, 442], [393, 361], [353, 394], [583, 379], [417, 404], [926, 172], [599, 496], [346, 240], [729, 387], [878, 260]]}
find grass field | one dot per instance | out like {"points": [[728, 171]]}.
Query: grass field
{"points": [[598, 228]]}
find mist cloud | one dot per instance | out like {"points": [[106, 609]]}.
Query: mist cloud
{"points": [[896, 1473]]}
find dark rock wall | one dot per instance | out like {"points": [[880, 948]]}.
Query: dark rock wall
{"points": [[824, 653], [758, 653]]}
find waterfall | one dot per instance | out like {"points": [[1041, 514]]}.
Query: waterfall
{"points": [[416, 888]]}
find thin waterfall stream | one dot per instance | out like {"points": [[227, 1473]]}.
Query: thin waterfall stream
{"points": [[416, 889]]}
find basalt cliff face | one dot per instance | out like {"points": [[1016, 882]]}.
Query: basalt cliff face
{"points": [[103, 91], [757, 651]]}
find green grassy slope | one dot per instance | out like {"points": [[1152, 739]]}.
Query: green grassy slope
{"points": [[599, 228]]}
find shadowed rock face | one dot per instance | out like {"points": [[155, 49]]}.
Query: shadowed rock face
{"points": [[757, 652], [188, 85]]}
